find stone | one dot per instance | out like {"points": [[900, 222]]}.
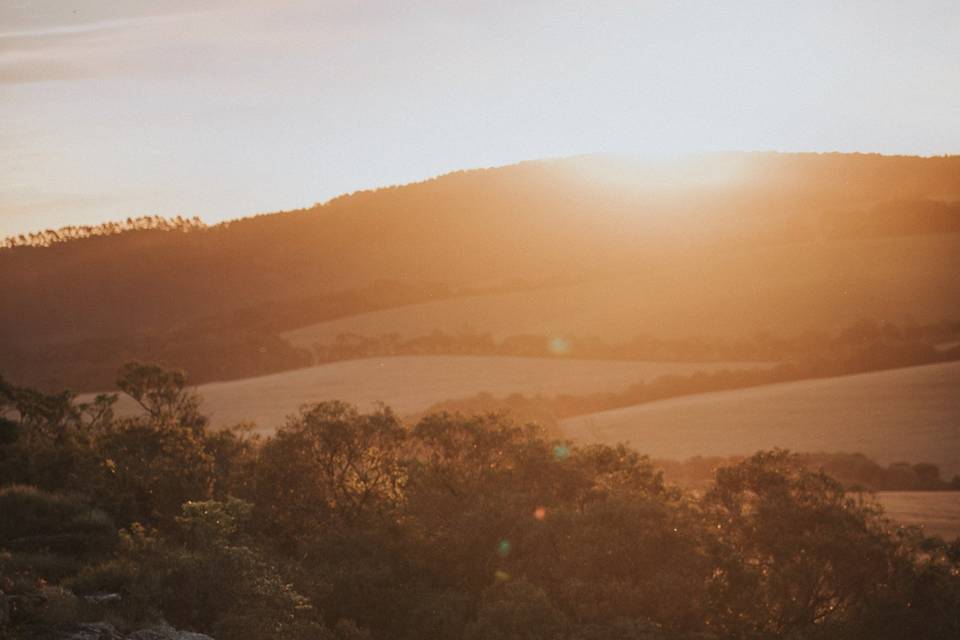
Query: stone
{"points": [[94, 631], [166, 632]]}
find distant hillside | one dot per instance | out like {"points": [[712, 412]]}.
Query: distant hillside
{"points": [[780, 289], [410, 384], [891, 416], [580, 222]]}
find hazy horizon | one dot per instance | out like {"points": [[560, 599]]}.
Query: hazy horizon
{"points": [[228, 109], [674, 165]]}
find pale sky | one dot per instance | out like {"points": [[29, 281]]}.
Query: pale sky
{"points": [[220, 109]]}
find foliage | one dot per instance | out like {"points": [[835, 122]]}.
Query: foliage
{"points": [[516, 609], [852, 470], [162, 394], [47, 437], [72, 233], [862, 347], [348, 525], [204, 576], [330, 466], [36, 521], [792, 552]]}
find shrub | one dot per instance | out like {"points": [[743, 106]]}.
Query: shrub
{"points": [[36, 520]]}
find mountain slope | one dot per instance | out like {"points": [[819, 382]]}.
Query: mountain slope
{"points": [[581, 222]]}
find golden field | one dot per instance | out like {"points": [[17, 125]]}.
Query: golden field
{"points": [[910, 414]]}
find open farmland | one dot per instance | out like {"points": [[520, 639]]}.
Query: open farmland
{"points": [[908, 414], [784, 290], [413, 383], [937, 511]]}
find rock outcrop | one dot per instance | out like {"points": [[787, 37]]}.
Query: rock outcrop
{"points": [[106, 631]]}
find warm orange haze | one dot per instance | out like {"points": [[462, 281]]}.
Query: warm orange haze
{"points": [[621, 382], [699, 310]]}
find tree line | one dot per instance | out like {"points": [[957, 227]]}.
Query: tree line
{"points": [[350, 525], [224, 346], [69, 233], [863, 347], [854, 471], [856, 344]]}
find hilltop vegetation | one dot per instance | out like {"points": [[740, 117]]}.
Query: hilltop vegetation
{"points": [[346, 525], [72, 233], [835, 236]]}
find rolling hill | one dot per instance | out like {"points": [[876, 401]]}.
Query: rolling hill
{"points": [[910, 414], [412, 383], [938, 512], [786, 289], [721, 244]]}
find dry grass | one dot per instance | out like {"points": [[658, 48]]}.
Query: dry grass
{"points": [[899, 415], [413, 383], [937, 511], [783, 290]]}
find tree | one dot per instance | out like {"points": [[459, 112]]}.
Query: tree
{"points": [[46, 438], [163, 395], [207, 574], [516, 610], [793, 553], [330, 466]]}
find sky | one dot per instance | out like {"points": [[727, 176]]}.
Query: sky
{"points": [[221, 109]]}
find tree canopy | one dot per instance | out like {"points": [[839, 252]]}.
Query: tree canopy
{"points": [[348, 524]]}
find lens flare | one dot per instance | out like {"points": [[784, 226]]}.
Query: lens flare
{"points": [[559, 347]]}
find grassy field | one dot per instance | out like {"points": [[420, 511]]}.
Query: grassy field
{"points": [[937, 511], [908, 414], [413, 383], [783, 290]]}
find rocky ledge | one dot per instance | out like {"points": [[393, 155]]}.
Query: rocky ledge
{"points": [[106, 631]]}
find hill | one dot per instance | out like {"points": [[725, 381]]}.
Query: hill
{"points": [[412, 383], [937, 512], [785, 289], [746, 240], [899, 415]]}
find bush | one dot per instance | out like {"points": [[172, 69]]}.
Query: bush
{"points": [[203, 578], [456, 528], [33, 567], [36, 520], [516, 610]]}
